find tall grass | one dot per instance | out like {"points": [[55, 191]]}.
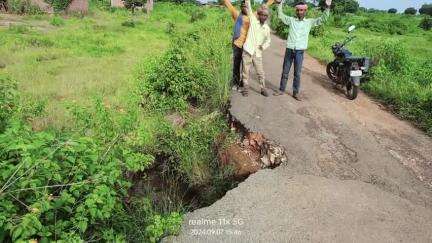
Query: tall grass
{"points": [[75, 184]]}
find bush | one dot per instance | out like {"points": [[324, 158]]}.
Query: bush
{"points": [[23, 7], [318, 31], [410, 11], [59, 5], [68, 186], [391, 26], [197, 15], [426, 9], [185, 75], [426, 23], [397, 27], [8, 99], [392, 11], [390, 55], [342, 6], [129, 23]]}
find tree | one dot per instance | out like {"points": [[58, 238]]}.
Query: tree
{"points": [[426, 23], [411, 11], [426, 9], [392, 11], [342, 6]]}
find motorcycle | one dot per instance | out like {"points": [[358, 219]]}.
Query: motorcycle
{"points": [[345, 69]]}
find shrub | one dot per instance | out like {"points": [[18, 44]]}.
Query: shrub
{"points": [[426, 9], [59, 5], [392, 11], [8, 99], [426, 23], [129, 23], [197, 15], [342, 6], [23, 7], [410, 11], [185, 75], [68, 186], [391, 26], [391, 55], [397, 27], [318, 31]]}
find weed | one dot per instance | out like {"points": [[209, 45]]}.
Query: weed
{"points": [[57, 21]]}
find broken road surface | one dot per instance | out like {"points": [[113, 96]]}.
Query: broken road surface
{"points": [[355, 172]]}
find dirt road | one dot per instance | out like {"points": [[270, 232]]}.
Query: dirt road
{"points": [[355, 172]]}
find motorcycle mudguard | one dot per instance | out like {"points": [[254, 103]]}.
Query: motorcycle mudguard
{"points": [[355, 81]]}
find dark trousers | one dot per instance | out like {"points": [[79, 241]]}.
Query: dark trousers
{"points": [[237, 60], [291, 56]]}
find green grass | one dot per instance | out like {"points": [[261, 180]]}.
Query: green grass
{"points": [[58, 61], [119, 79]]}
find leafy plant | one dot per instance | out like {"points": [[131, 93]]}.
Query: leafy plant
{"points": [[197, 15], [392, 11], [59, 5], [57, 21], [410, 11], [426, 9], [426, 23], [342, 6], [8, 99]]}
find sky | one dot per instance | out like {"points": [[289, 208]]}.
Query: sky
{"points": [[398, 4]]}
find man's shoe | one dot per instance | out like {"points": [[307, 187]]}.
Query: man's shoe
{"points": [[235, 87], [264, 92], [245, 91], [296, 96], [278, 93]]}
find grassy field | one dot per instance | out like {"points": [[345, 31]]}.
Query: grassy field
{"points": [[61, 60], [106, 103]]}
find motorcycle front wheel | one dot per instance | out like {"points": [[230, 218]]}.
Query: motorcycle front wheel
{"points": [[331, 71], [352, 91]]}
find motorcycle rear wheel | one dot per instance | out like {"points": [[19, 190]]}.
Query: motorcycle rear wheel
{"points": [[331, 72]]}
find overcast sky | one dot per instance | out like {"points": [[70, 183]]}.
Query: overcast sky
{"points": [[398, 4]]}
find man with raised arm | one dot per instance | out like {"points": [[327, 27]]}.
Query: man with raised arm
{"points": [[241, 28], [297, 43], [258, 39]]}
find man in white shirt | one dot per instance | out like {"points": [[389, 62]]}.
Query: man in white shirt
{"points": [[258, 39]]}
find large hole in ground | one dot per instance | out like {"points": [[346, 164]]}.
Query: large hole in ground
{"points": [[250, 153]]}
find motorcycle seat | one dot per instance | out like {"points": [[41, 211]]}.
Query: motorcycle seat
{"points": [[360, 59]]}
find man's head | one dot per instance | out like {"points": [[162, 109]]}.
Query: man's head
{"points": [[301, 9], [243, 7], [263, 13]]}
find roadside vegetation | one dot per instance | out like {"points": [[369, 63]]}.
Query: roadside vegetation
{"points": [[400, 48], [111, 123]]}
